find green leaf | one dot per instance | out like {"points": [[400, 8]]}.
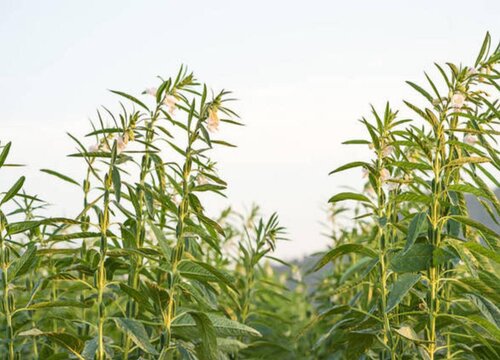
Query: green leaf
{"points": [[467, 160], [67, 341], [341, 250], [90, 349], [23, 264], [349, 196], [223, 326], [13, 190], [417, 258], [475, 224], [484, 47], [466, 188], [117, 183], [208, 187], [408, 333], [403, 284], [4, 153], [60, 176], [208, 347], [415, 228], [193, 270], [221, 275], [489, 310], [137, 333], [56, 304], [356, 142], [131, 98], [421, 91], [230, 346], [350, 166], [21, 226], [476, 248], [162, 241]]}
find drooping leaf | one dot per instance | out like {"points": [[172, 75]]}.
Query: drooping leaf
{"points": [[415, 228], [4, 153], [341, 250], [13, 190], [24, 263], [207, 349], [60, 176], [136, 331], [400, 288], [417, 258], [349, 196]]}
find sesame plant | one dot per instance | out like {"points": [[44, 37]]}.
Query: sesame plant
{"points": [[128, 277], [424, 273], [141, 270]]}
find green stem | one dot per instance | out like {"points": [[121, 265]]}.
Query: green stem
{"points": [[133, 280], [101, 272], [9, 330]]}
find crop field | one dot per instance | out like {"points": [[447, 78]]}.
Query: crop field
{"points": [[144, 271]]}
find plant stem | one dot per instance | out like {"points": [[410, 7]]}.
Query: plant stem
{"points": [[9, 331], [183, 214], [133, 280], [382, 262], [101, 272], [435, 240]]}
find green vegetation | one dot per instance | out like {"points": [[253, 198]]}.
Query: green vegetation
{"points": [[143, 272]]}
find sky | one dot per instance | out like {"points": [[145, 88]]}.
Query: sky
{"points": [[304, 73]]}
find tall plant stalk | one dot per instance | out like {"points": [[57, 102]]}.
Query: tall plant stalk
{"points": [[104, 221]]}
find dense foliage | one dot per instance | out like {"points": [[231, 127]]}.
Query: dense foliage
{"points": [[142, 272]]}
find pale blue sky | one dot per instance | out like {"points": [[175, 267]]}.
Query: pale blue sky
{"points": [[304, 73]]}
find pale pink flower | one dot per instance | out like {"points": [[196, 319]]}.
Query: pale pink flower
{"points": [[384, 174], [365, 172], [436, 102], [470, 139], [457, 100], [94, 148], [484, 71], [171, 102], [151, 91], [213, 120], [202, 180], [471, 71], [121, 144], [387, 151], [391, 185]]}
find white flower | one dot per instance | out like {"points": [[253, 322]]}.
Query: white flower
{"points": [[151, 91], [121, 143], [384, 174], [213, 120], [171, 102], [202, 180], [471, 71], [470, 139], [94, 148], [392, 185], [457, 100], [387, 151]]}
